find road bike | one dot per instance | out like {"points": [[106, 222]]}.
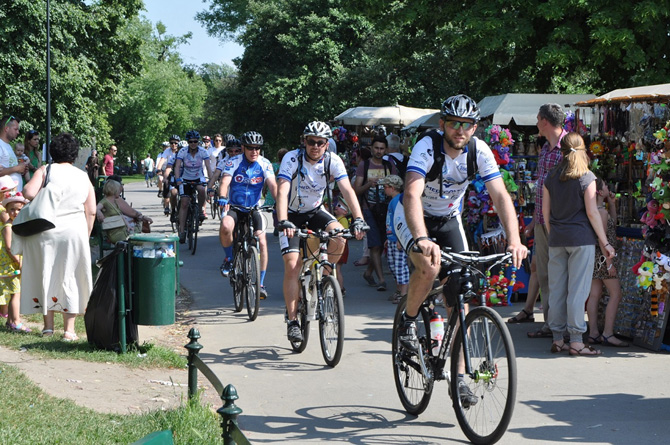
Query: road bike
{"points": [[321, 296], [192, 217], [481, 342], [245, 276]]}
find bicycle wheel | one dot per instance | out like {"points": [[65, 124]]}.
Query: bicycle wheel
{"points": [[237, 280], [253, 282], [300, 346], [414, 389], [195, 221], [331, 322], [494, 383]]}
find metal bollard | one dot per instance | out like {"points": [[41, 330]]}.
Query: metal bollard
{"points": [[193, 348], [229, 413]]}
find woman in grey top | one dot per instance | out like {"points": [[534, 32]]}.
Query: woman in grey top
{"points": [[574, 226]]}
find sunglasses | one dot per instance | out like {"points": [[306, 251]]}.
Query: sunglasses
{"points": [[315, 142], [457, 125], [250, 148], [32, 133], [234, 151], [174, 142], [11, 118], [193, 142]]}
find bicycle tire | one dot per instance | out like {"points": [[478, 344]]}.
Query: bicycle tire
{"points": [[495, 385], [331, 324], [196, 227], [237, 280], [173, 220], [253, 282], [414, 390], [299, 346], [189, 229]]}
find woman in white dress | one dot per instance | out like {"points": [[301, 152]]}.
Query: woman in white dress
{"points": [[56, 274]]}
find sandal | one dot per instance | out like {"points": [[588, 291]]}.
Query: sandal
{"points": [[579, 352], [594, 340], [539, 334], [399, 298], [17, 327], [394, 295], [371, 281], [47, 332], [381, 287], [606, 342], [555, 348], [529, 318], [70, 336], [361, 262]]}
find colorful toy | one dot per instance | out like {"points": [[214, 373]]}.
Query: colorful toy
{"points": [[649, 217], [645, 273]]}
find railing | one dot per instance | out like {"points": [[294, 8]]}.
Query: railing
{"points": [[229, 411]]}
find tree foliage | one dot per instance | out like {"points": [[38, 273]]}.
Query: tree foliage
{"points": [[91, 57]]}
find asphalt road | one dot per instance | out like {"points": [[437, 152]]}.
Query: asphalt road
{"points": [[618, 398]]}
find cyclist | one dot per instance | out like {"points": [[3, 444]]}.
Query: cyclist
{"points": [[166, 163], [431, 209], [188, 173], [159, 172], [303, 177], [246, 176]]}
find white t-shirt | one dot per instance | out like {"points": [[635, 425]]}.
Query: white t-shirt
{"points": [[453, 172], [8, 160], [308, 186], [148, 164], [192, 165]]}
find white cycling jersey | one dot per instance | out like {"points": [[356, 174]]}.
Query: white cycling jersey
{"points": [[309, 184], [454, 175], [192, 165]]}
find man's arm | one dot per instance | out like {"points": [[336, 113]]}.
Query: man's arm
{"points": [[213, 177], [505, 207], [177, 169], [223, 186], [272, 186], [414, 187], [283, 189]]}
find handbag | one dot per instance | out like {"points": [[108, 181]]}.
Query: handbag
{"points": [[146, 227], [39, 214], [113, 222]]}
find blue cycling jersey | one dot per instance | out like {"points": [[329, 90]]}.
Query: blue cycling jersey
{"points": [[247, 179]]}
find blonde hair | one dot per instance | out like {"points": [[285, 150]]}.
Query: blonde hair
{"points": [[575, 163], [111, 188]]}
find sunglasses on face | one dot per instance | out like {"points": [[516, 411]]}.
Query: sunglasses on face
{"points": [[193, 142], [250, 148], [320, 143], [234, 151], [457, 124]]}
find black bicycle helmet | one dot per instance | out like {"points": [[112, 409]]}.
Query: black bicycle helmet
{"points": [[318, 129], [252, 138], [192, 134], [233, 143], [460, 106], [228, 137], [175, 137]]}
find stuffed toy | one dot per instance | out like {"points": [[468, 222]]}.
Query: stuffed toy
{"points": [[649, 217], [645, 273]]}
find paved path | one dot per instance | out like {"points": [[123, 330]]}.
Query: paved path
{"points": [[619, 398]]}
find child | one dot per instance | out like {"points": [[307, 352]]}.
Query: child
{"points": [[20, 152], [7, 184], [10, 264], [396, 256], [605, 272], [342, 212]]}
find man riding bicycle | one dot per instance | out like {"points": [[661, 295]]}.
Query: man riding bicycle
{"points": [[166, 163], [188, 173], [303, 178], [431, 208], [245, 175]]}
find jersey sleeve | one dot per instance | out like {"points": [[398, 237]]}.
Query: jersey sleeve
{"points": [[422, 157], [289, 165], [230, 165], [268, 171], [181, 153], [487, 167], [337, 169], [221, 164]]}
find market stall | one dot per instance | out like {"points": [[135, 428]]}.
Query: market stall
{"points": [[631, 150]]}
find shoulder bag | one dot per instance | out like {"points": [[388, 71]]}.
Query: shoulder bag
{"points": [[39, 214]]}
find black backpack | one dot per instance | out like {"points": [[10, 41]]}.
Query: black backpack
{"points": [[400, 165], [326, 172], [438, 157]]}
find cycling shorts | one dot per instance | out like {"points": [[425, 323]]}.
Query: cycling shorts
{"points": [[315, 220], [187, 188], [238, 215]]}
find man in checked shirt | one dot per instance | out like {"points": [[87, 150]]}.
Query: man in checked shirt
{"points": [[550, 125]]}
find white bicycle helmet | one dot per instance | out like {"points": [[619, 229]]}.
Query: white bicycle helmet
{"points": [[182, 144], [460, 106], [318, 129]]}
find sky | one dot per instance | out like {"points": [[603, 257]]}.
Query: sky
{"points": [[178, 16]]}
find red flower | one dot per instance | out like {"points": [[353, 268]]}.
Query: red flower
{"points": [[54, 299], [36, 300]]}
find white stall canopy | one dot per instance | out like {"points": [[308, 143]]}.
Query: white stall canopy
{"points": [[393, 115]]}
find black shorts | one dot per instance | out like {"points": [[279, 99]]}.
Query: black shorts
{"points": [[238, 215], [317, 220], [448, 232], [189, 187]]}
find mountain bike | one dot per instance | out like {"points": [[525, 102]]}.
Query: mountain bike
{"points": [[192, 217], [245, 276], [321, 296], [481, 342]]}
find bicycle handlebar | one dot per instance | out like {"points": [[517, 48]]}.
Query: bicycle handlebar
{"points": [[263, 208], [324, 235]]}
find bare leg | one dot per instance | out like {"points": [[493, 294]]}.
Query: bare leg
{"points": [[592, 309], [614, 289]]}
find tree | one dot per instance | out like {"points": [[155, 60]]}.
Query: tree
{"points": [[219, 80], [91, 57]]}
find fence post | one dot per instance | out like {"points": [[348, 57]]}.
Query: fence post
{"points": [[193, 348], [228, 412]]}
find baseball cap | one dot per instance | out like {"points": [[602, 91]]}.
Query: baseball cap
{"points": [[394, 181]]}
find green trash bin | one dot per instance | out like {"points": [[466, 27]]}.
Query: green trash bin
{"points": [[154, 278]]}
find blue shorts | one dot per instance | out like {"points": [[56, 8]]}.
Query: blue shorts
{"points": [[376, 235]]}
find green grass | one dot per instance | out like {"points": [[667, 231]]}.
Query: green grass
{"points": [[29, 416], [132, 178], [55, 348]]}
